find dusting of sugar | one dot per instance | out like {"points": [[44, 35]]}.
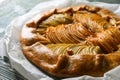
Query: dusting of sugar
{"points": [[27, 32]]}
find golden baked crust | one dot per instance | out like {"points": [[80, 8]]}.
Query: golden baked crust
{"points": [[74, 41]]}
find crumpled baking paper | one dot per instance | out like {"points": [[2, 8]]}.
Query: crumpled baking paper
{"points": [[12, 41], [9, 9]]}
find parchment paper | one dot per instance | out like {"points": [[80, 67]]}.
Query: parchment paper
{"points": [[18, 60]]}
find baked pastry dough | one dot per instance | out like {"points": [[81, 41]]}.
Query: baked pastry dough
{"points": [[74, 41]]}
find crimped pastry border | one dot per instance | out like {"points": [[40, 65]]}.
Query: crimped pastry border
{"points": [[43, 57]]}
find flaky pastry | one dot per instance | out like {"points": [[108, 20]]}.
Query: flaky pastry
{"points": [[74, 41]]}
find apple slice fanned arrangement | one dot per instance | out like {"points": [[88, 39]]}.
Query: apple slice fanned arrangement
{"points": [[74, 41]]}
